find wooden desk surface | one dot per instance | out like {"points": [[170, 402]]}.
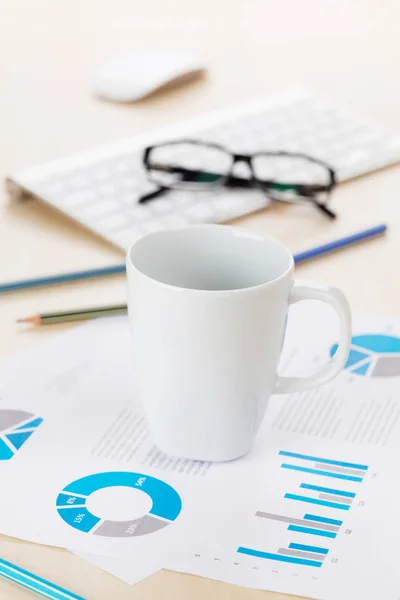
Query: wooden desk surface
{"points": [[347, 51]]}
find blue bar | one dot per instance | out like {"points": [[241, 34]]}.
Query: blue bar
{"points": [[330, 534], [280, 557], [316, 501], [317, 472], [308, 548], [323, 520], [327, 461], [318, 488]]}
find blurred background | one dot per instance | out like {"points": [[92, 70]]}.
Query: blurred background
{"points": [[345, 51], [48, 49]]}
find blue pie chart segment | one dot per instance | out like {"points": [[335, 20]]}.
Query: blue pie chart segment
{"points": [[363, 370], [71, 504], [31, 424], [79, 518], [16, 427], [375, 355], [18, 438], [70, 500]]}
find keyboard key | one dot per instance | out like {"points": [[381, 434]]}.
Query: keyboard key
{"points": [[200, 213], [101, 174], [81, 198], [55, 187], [138, 212], [79, 181], [107, 189], [110, 222], [150, 226], [122, 167], [175, 220], [101, 207], [161, 205], [128, 182]]}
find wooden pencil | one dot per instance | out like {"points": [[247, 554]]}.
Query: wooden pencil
{"points": [[76, 315]]}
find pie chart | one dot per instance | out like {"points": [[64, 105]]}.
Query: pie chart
{"points": [[72, 504], [16, 427], [373, 355]]}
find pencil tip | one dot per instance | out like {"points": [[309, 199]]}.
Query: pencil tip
{"points": [[33, 320]]}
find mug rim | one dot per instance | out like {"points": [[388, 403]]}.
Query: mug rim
{"points": [[236, 230]]}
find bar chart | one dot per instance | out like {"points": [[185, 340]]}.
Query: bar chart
{"points": [[326, 467], [316, 528]]}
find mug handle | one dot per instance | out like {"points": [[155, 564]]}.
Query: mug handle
{"points": [[335, 298]]}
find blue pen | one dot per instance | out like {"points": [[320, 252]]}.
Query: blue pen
{"points": [[79, 275], [36, 584]]}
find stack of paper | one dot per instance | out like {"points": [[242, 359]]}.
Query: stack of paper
{"points": [[312, 510]]}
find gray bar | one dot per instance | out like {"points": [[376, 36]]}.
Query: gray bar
{"points": [[334, 498], [301, 554], [302, 522], [343, 470], [387, 366]]}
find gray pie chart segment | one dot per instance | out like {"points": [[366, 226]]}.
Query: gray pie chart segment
{"points": [[133, 528], [387, 366], [9, 418]]}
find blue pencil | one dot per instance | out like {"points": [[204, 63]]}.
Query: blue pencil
{"points": [[64, 278], [340, 243], [91, 273], [36, 584]]}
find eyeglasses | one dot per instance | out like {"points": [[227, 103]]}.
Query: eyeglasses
{"points": [[282, 176]]}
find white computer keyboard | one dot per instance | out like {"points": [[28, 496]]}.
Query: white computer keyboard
{"points": [[100, 188]]}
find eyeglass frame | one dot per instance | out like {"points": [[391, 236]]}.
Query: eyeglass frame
{"points": [[230, 180]]}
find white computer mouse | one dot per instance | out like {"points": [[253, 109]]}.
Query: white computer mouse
{"points": [[132, 76]]}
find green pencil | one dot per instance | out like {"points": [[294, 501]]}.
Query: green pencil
{"points": [[76, 315]]}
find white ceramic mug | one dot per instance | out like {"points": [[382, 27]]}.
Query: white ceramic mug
{"points": [[207, 307]]}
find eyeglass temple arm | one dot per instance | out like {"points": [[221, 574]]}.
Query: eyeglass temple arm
{"points": [[153, 195]]}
